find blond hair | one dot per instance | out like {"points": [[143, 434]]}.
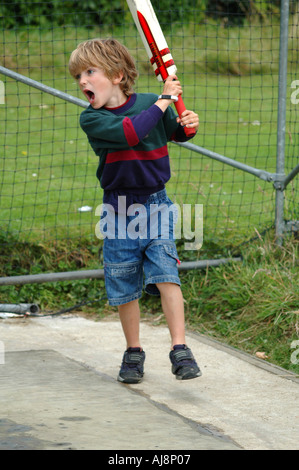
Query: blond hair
{"points": [[109, 55]]}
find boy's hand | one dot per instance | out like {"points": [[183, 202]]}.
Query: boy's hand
{"points": [[172, 86], [189, 119]]}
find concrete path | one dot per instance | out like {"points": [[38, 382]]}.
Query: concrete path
{"points": [[58, 390]]}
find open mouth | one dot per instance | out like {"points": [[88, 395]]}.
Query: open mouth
{"points": [[89, 95]]}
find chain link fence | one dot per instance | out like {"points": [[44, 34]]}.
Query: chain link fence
{"points": [[239, 70]]}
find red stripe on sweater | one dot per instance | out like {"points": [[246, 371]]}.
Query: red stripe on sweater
{"points": [[130, 133], [132, 154]]}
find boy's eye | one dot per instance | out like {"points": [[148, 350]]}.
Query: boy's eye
{"points": [[90, 71], [78, 76]]}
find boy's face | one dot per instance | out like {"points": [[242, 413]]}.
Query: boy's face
{"points": [[99, 89]]}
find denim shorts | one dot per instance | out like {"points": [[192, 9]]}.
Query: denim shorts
{"points": [[139, 249]]}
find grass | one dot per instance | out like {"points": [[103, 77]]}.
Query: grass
{"points": [[253, 305], [230, 78]]}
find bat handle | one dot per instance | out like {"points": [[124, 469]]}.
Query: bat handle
{"points": [[180, 107]]}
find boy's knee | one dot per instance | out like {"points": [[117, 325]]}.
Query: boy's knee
{"points": [[168, 287]]}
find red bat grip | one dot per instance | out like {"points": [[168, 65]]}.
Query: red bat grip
{"points": [[180, 107]]}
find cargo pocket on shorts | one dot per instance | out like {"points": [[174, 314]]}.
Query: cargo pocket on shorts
{"points": [[170, 254], [123, 282], [122, 270]]}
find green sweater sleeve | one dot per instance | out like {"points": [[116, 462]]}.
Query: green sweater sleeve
{"points": [[104, 127]]}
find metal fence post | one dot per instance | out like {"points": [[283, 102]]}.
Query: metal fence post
{"points": [[281, 119]]}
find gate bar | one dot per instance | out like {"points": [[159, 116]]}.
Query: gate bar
{"points": [[99, 273]]}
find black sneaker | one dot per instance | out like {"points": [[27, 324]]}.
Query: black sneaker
{"points": [[131, 371], [184, 366]]}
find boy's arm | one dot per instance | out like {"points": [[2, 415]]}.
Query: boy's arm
{"points": [[108, 128], [139, 126], [144, 122], [188, 118]]}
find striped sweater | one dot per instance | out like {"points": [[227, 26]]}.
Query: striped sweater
{"points": [[131, 142]]}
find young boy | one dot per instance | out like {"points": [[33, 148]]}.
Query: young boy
{"points": [[129, 132]]}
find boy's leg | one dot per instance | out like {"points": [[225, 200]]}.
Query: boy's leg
{"points": [[129, 315], [173, 308], [183, 362], [131, 370]]}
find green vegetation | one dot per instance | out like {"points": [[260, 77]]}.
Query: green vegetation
{"points": [[253, 305], [90, 12]]}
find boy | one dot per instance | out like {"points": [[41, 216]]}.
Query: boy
{"points": [[129, 132]]}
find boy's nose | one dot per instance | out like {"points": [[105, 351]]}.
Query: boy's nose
{"points": [[82, 80]]}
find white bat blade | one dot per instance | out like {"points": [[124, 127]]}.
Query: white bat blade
{"points": [[146, 9]]}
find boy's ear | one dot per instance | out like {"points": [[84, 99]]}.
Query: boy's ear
{"points": [[118, 78]]}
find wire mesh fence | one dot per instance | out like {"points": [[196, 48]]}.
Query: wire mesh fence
{"points": [[227, 54]]}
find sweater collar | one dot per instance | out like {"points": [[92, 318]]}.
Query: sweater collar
{"points": [[124, 107]]}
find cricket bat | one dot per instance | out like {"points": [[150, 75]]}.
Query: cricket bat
{"points": [[156, 46]]}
